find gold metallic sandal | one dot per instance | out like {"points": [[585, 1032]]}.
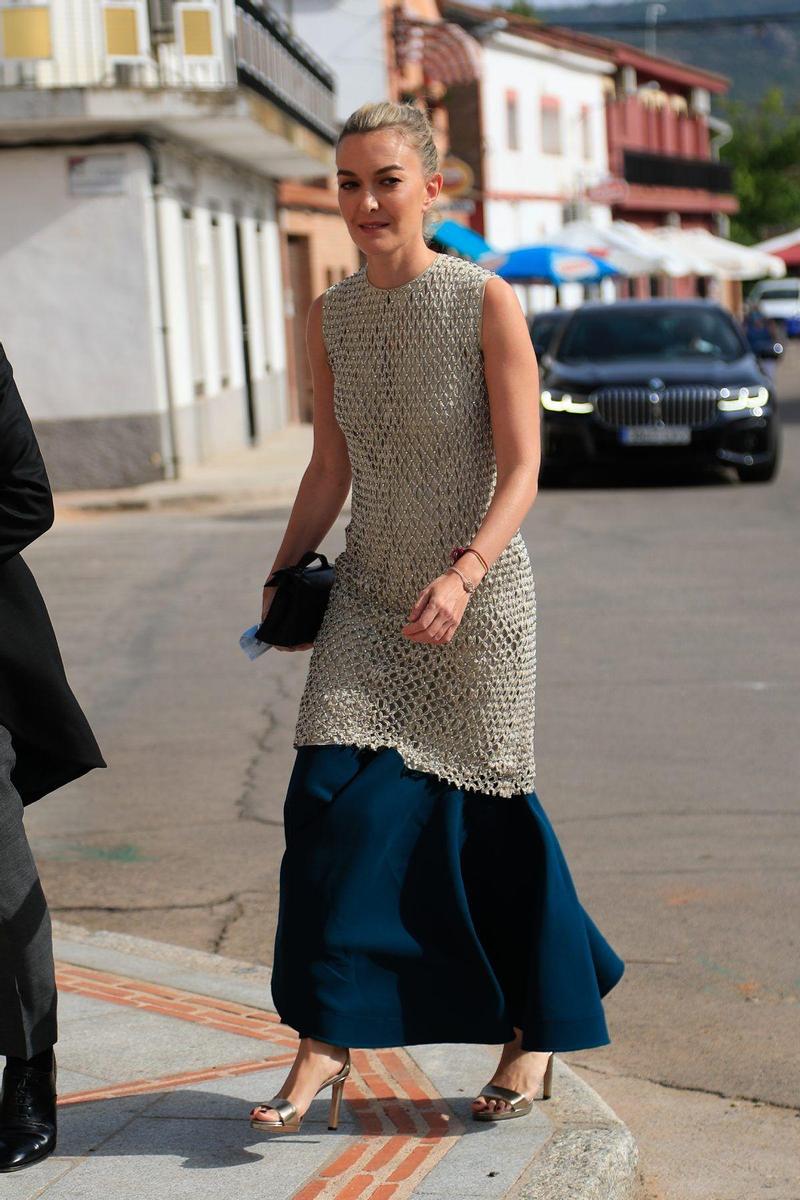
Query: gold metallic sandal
{"points": [[290, 1120], [520, 1104]]}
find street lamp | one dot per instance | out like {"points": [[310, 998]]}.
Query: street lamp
{"points": [[651, 15]]}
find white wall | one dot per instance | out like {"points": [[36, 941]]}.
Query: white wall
{"points": [[216, 420], [81, 314], [75, 302], [349, 36], [79, 52], [541, 182]]}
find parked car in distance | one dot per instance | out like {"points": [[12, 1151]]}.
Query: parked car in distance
{"points": [[670, 379], [777, 298], [543, 326]]}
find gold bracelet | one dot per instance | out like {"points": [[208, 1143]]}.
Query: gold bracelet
{"points": [[469, 586]]}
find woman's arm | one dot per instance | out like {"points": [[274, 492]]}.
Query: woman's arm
{"points": [[512, 381], [326, 480], [26, 502]]}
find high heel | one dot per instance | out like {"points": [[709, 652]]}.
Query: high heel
{"points": [[290, 1120], [519, 1104], [547, 1082]]}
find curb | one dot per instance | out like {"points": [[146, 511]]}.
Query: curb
{"points": [[578, 1149], [178, 501], [591, 1154]]}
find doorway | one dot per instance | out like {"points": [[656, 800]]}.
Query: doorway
{"points": [[300, 283]]}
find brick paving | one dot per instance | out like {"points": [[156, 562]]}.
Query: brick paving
{"points": [[404, 1127]]}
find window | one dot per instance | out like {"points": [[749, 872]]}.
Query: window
{"points": [[125, 30], [512, 120], [586, 131], [551, 125], [196, 30], [25, 32], [220, 306], [192, 300]]}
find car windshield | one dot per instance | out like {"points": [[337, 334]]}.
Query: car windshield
{"points": [[784, 293], [654, 333], [542, 330]]}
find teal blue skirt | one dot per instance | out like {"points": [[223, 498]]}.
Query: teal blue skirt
{"points": [[415, 911]]}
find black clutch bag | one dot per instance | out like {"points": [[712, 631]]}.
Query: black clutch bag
{"points": [[299, 603]]}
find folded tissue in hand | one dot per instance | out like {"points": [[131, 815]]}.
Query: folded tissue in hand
{"points": [[250, 643]]}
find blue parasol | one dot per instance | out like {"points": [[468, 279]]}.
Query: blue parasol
{"points": [[549, 264]]}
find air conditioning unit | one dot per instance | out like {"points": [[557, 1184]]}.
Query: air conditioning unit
{"points": [[162, 20]]}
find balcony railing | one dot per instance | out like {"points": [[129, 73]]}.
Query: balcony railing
{"points": [[270, 59], [663, 170]]}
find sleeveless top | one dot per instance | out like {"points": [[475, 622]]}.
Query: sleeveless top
{"points": [[410, 397]]}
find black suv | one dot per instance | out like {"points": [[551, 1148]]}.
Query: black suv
{"points": [[667, 378]]}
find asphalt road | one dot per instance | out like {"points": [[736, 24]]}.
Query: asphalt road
{"points": [[667, 753]]}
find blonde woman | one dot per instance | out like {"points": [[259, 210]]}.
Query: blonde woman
{"points": [[423, 893]]}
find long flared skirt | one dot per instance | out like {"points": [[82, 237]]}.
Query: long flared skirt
{"points": [[413, 911]]}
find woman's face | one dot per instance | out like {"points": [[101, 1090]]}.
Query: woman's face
{"points": [[382, 191]]}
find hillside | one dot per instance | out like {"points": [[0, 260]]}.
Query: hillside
{"points": [[754, 57]]}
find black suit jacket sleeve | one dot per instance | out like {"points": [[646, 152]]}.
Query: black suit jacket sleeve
{"points": [[26, 502]]}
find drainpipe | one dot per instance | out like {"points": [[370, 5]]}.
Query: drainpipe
{"points": [[149, 145], [724, 133], [157, 187]]}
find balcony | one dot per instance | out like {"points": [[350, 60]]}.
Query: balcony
{"points": [[661, 170], [634, 124], [248, 90]]}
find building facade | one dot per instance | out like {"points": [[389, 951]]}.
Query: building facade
{"points": [[533, 128], [141, 149], [377, 50]]}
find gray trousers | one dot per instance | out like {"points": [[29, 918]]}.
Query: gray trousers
{"points": [[27, 976]]}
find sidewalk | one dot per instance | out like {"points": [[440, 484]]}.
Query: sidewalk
{"points": [[163, 1050], [267, 475]]}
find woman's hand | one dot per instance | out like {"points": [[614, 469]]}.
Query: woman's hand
{"points": [[437, 613], [266, 600]]}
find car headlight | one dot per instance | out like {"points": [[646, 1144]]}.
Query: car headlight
{"points": [[555, 400], [752, 396]]}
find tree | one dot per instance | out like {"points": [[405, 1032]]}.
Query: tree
{"points": [[521, 8], [765, 155]]}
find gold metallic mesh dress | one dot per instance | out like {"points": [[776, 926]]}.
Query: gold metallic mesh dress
{"points": [[410, 396]]}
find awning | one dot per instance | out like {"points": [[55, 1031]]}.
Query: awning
{"points": [[625, 246], [463, 240], [725, 259], [785, 246], [667, 250], [446, 52]]}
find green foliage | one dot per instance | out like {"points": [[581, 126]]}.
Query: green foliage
{"points": [[765, 155], [522, 8]]}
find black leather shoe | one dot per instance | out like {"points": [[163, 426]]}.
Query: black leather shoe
{"points": [[27, 1116]]}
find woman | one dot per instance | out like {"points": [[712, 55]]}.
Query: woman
{"points": [[423, 894]]}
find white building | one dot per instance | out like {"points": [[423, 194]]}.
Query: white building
{"points": [[142, 302], [543, 116], [533, 130]]}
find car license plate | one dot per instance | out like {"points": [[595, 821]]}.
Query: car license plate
{"points": [[655, 435]]}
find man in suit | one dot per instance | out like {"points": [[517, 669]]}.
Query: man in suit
{"points": [[45, 741]]}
